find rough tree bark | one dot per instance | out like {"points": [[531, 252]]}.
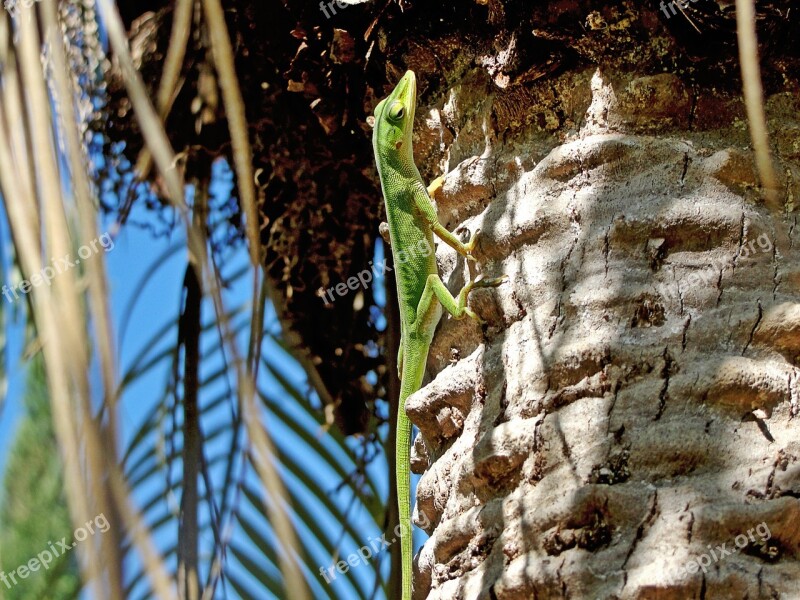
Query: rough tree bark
{"points": [[631, 403], [629, 411]]}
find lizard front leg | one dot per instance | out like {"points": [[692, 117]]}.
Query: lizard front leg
{"points": [[425, 209], [434, 186]]}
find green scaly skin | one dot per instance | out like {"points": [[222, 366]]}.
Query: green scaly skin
{"points": [[421, 293]]}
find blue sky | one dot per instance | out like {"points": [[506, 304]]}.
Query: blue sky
{"points": [[137, 257], [133, 259]]}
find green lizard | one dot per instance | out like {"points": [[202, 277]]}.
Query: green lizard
{"points": [[421, 292]]}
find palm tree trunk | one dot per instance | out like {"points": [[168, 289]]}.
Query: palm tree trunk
{"points": [[623, 428]]}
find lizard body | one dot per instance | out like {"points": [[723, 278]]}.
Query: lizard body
{"points": [[421, 293]]}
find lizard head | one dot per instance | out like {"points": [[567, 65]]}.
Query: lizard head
{"points": [[394, 121]]}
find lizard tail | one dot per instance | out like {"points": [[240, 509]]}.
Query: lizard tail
{"points": [[402, 453], [413, 372]]}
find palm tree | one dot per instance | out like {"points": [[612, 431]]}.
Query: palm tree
{"points": [[621, 428]]}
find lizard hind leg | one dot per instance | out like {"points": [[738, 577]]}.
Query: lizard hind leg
{"points": [[487, 282], [435, 289], [480, 283]]}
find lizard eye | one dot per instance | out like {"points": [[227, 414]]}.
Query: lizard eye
{"points": [[396, 111]]}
